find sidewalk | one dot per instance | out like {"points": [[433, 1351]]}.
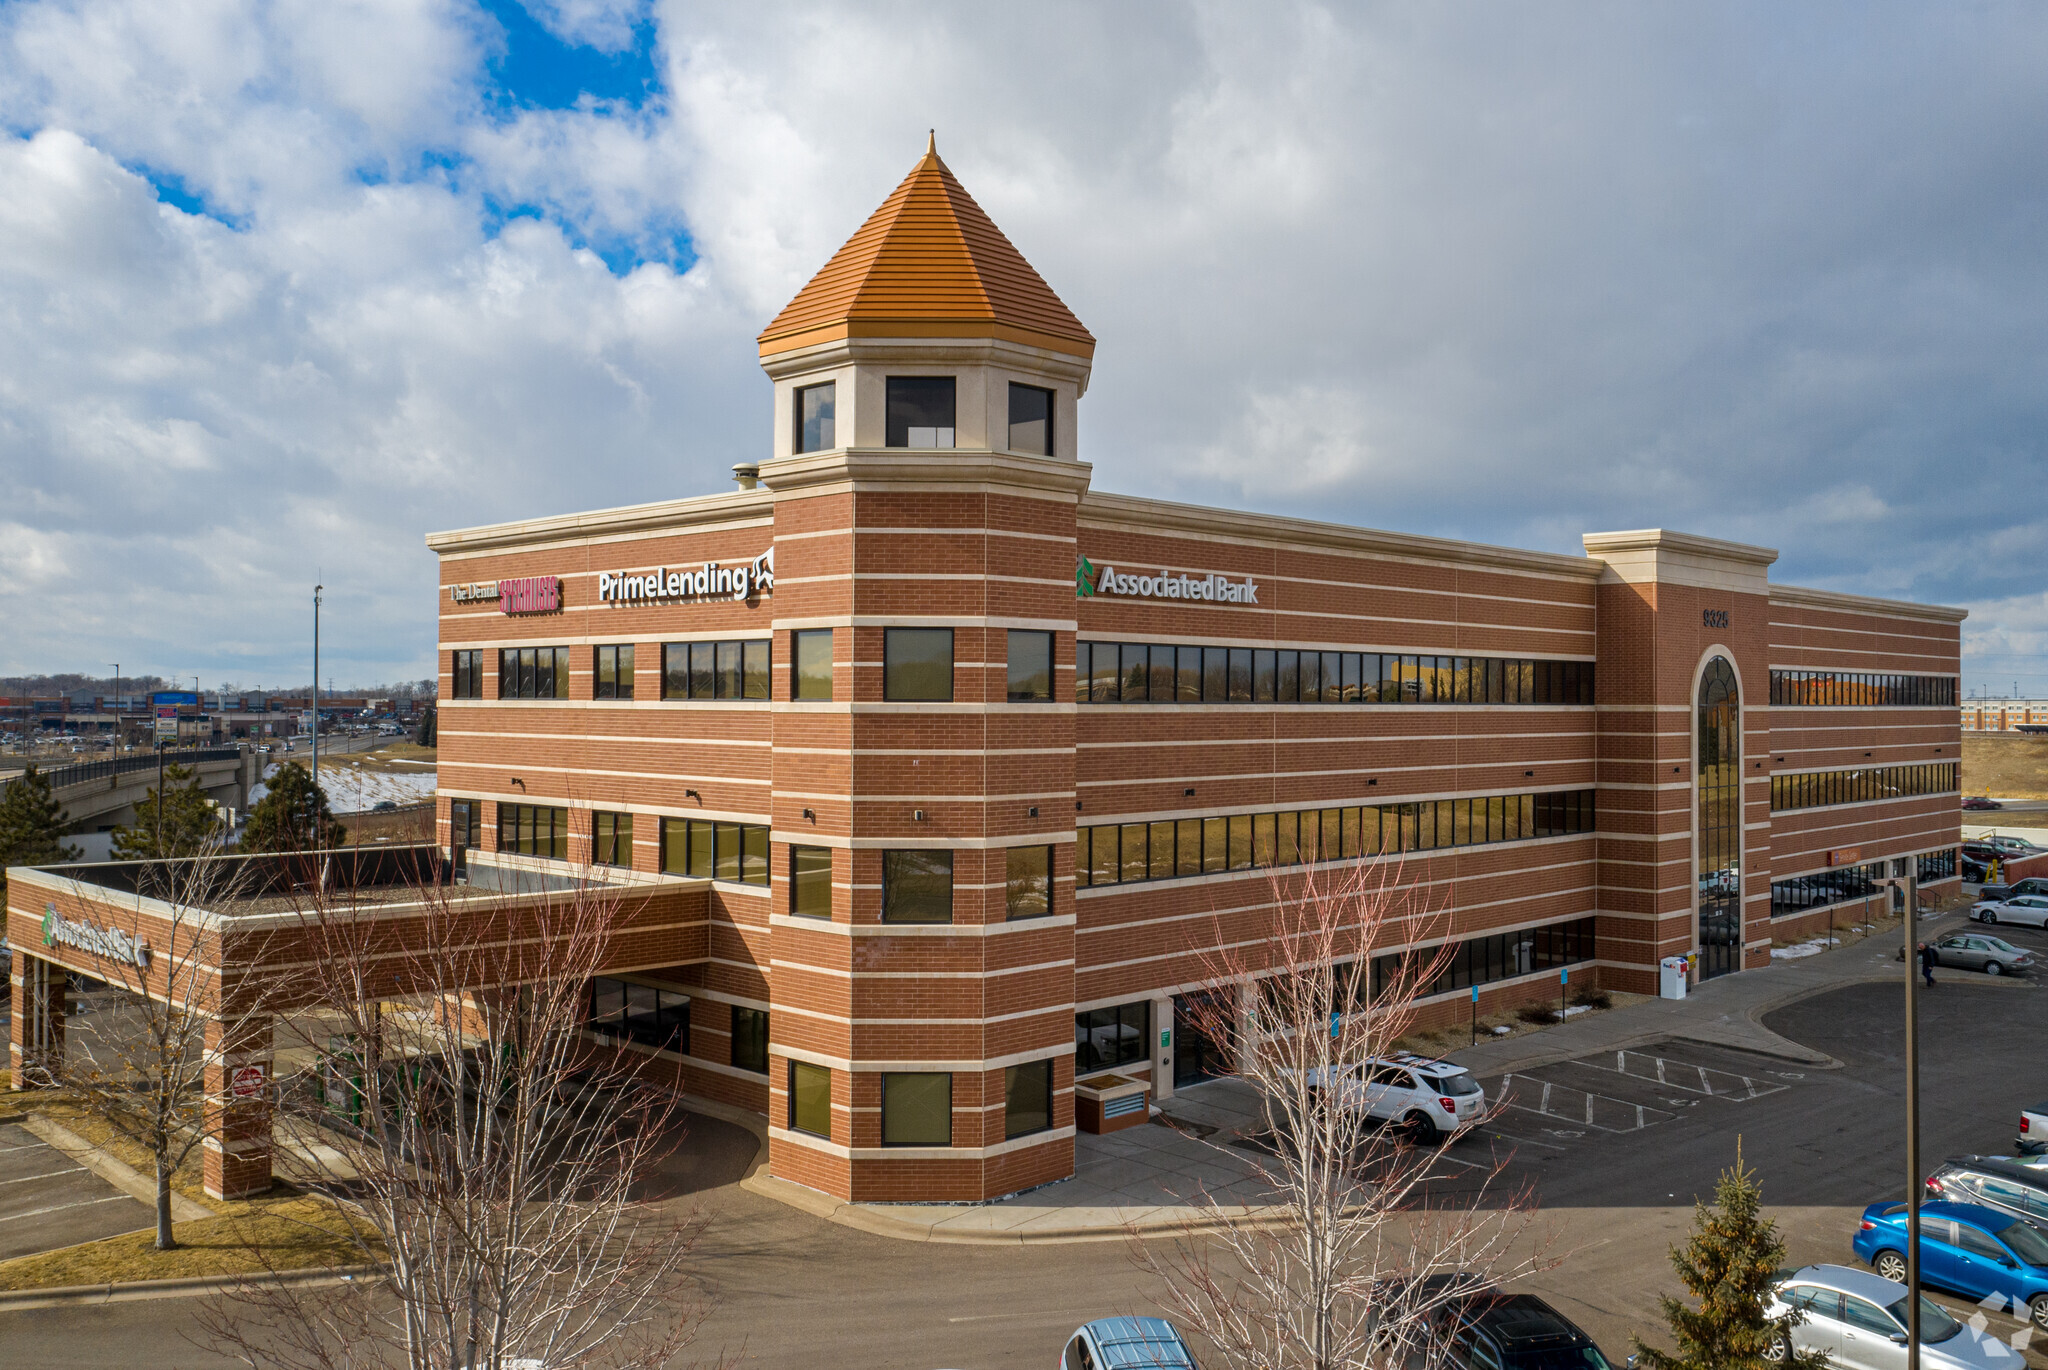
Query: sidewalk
{"points": [[1145, 1177]]}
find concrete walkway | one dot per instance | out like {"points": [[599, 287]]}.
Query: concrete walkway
{"points": [[1153, 1178]]}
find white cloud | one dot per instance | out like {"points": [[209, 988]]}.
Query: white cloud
{"points": [[1496, 272]]}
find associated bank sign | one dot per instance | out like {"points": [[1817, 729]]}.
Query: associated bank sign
{"points": [[712, 580], [1212, 588], [109, 944]]}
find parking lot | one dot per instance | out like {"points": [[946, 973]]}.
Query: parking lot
{"points": [[48, 1200]]}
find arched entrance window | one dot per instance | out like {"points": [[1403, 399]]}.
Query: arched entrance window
{"points": [[1718, 820]]}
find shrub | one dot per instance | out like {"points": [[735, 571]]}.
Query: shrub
{"points": [[1531, 1013], [1592, 998]]}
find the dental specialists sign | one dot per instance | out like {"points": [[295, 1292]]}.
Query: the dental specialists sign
{"points": [[1212, 588], [109, 944], [712, 580]]}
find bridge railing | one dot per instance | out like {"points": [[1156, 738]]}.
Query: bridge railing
{"points": [[83, 771]]}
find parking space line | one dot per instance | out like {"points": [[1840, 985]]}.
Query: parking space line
{"points": [[60, 1208], [1568, 1110], [51, 1175], [1520, 1141], [25, 1146], [1685, 1076]]}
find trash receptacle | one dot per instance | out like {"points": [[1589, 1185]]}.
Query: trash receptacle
{"points": [[1671, 981]]}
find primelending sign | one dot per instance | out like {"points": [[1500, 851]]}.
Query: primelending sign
{"points": [[709, 581]]}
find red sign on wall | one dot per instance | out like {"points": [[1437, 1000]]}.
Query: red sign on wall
{"points": [[247, 1081], [1844, 856], [530, 595]]}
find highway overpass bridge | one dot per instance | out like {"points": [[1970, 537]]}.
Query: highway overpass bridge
{"points": [[98, 796]]}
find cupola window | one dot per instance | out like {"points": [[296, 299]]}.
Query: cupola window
{"points": [[920, 411], [814, 427], [1030, 419]]}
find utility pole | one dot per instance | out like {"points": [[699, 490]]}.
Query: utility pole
{"points": [[117, 709], [316, 685], [1913, 1179]]}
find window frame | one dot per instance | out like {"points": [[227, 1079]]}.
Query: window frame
{"points": [[890, 427], [800, 427], [891, 880], [889, 1080], [817, 1076], [737, 1036], [802, 642], [889, 667], [1031, 638], [802, 881], [621, 827], [1022, 1072], [1010, 882], [1011, 422]]}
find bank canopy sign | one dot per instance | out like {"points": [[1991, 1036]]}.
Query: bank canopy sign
{"points": [[109, 944], [1212, 588], [712, 580]]}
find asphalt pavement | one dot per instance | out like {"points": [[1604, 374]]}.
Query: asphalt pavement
{"points": [[1614, 1141]]}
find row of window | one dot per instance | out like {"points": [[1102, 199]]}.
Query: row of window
{"points": [[534, 830], [715, 851], [1159, 673], [1121, 1034], [1817, 789], [660, 1018], [917, 1106], [918, 412], [1123, 853], [1856, 689], [1843, 884], [917, 666]]}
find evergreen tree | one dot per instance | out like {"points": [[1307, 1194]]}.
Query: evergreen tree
{"points": [[31, 823], [428, 728], [1730, 1266], [177, 822], [293, 816]]}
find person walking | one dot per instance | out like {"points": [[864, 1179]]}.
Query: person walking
{"points": [[1927, 964]]}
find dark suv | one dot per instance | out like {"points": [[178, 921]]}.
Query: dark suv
{"points": [[2033, 884], [2010, 1186], [1492, 1330]]}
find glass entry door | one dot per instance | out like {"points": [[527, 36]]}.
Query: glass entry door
{"points": [[1195, 1057]]}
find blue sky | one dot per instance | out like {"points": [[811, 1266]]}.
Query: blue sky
{"points": [[294, 283]]}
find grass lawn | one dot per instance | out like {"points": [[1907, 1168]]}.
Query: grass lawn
{"points": [[290, 1228]]}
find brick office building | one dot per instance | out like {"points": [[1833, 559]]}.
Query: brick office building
{"points": [[974, 757]]}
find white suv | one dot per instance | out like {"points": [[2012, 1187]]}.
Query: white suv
{"points": [[1430, 1099]]}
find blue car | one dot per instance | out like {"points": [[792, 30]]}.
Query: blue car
{"points": [[1967, 1248]]}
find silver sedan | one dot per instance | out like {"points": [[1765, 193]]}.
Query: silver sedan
{"points": [[1858, 1320], [1982, 951]]}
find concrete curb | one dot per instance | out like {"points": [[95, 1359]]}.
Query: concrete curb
{"points": [[114, 1171], [875, 1222], [189, 1286]]}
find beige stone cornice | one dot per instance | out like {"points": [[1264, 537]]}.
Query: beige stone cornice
{"points": [[733, 507], [1865, 604], [1007, 352], [1645, 556], [1271, 530], [855, 468]]}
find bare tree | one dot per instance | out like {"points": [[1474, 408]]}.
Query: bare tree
{"points": [[491, 1155], [1370, 1243], [139, 1062]]}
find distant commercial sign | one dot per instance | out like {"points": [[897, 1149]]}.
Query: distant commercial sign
{"points": [[530, 595], [167, 723], [712, 580], [174, 697]]}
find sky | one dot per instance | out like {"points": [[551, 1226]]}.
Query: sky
{"points": [[286, 286]]}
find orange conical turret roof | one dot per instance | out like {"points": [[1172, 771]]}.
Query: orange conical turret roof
{"points": [[928, 263]]}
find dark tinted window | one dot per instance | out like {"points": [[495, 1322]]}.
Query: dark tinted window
{"points": [[750, 1038], [920, 411], [1030, 419], [1030, 665], [917, 887]]}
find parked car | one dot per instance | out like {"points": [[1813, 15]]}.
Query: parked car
{"points": [[1967, 1248], [2027, 910], [1972, 870], [1127, 1344], [1982, 951], [2006, 845], [1492, 1330], [1858, 1320], [1430, 1099], [2010, 1186], [2034, 1129], [1981, 802], [2033, 884]]}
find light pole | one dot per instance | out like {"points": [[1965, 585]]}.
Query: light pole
{"points": [[117, 709], [1913, 1180]]}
